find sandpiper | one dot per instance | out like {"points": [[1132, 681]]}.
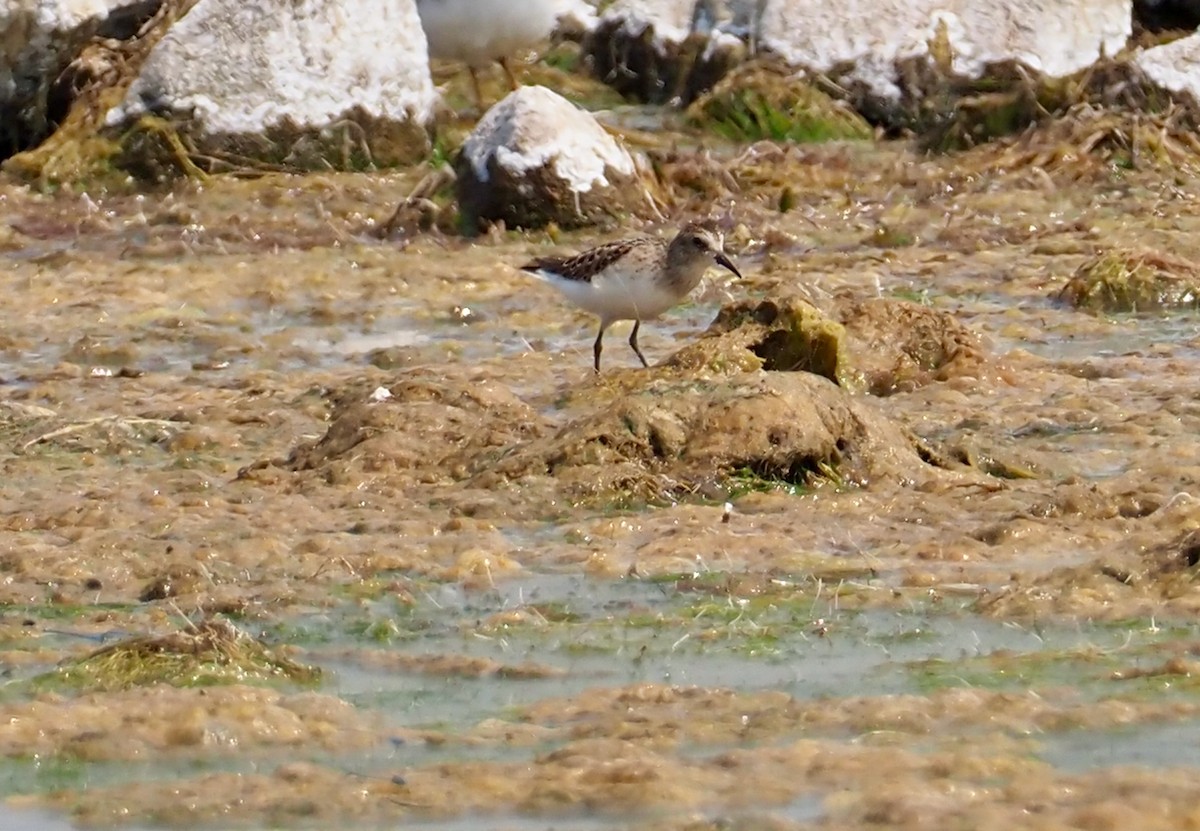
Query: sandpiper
{"points": [[635, 279], [478, 32]]}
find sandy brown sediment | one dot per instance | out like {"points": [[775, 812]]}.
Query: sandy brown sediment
{"points": [[186, 428]]}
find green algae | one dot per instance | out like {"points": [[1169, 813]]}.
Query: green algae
{"points": [[211, 652], [762, 101], [1124, 280], [779, 334]]}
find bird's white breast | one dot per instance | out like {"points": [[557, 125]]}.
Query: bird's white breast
{"points": [[617, 294]]}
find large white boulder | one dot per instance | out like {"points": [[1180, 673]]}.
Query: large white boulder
{"points": [[536, 158], [38, 39], [648, 49], [670, 20], [1174, 66], [872, 36], [298, 79]]}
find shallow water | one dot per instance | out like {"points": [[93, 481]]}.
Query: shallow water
{"points": [[514, 657]]}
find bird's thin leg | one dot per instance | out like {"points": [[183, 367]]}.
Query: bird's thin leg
{"points": [[598, 345], [512, 79], [634, 344], [477, 88]]}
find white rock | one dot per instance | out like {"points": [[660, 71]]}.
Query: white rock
{"points": [[536, 158], [245, 66], [646, 48], [579, 18], [1056, 38], [1174, 66], [534, 127], [672, 19]]}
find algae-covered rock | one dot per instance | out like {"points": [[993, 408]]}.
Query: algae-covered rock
{"points": [[210, 652], [1144, 130], [952, 113], [536, 158], [781, 334], [769, 101], [879, 345], [1133, 281], [677, 436], [661, 50], [61, 134], [900, 346], [41, 46]]}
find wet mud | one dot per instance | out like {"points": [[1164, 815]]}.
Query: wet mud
{"points": [[897, 531]]}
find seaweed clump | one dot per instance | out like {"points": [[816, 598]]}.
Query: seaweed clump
{"points": [[901, 346], [213, 651], [768, 101], [1108, 118], [1120, 280]]}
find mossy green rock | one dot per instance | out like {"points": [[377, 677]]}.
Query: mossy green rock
{"points": [[211, 652], [766, 101], [785, 333], [1133, 281]]}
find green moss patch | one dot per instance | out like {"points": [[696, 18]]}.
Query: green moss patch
{"points": [[781, 334], [211, 652], [766, 101], [1122, 280]]}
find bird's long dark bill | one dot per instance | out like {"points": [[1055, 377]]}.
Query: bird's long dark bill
{"points": [[725, 262]]}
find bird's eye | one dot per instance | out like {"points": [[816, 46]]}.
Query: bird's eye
{"points": [[699, 242]]}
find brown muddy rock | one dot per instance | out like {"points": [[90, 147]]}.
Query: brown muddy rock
{"points": [[677, 436], [431, 429], [1122, 280], [779, 334], [661, 51], [536, 158], [901, 346]]}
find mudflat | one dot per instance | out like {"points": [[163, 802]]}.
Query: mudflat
{"points": [[479, 583]]}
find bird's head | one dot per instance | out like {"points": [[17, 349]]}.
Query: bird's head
{"points": [[702, 241]]}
